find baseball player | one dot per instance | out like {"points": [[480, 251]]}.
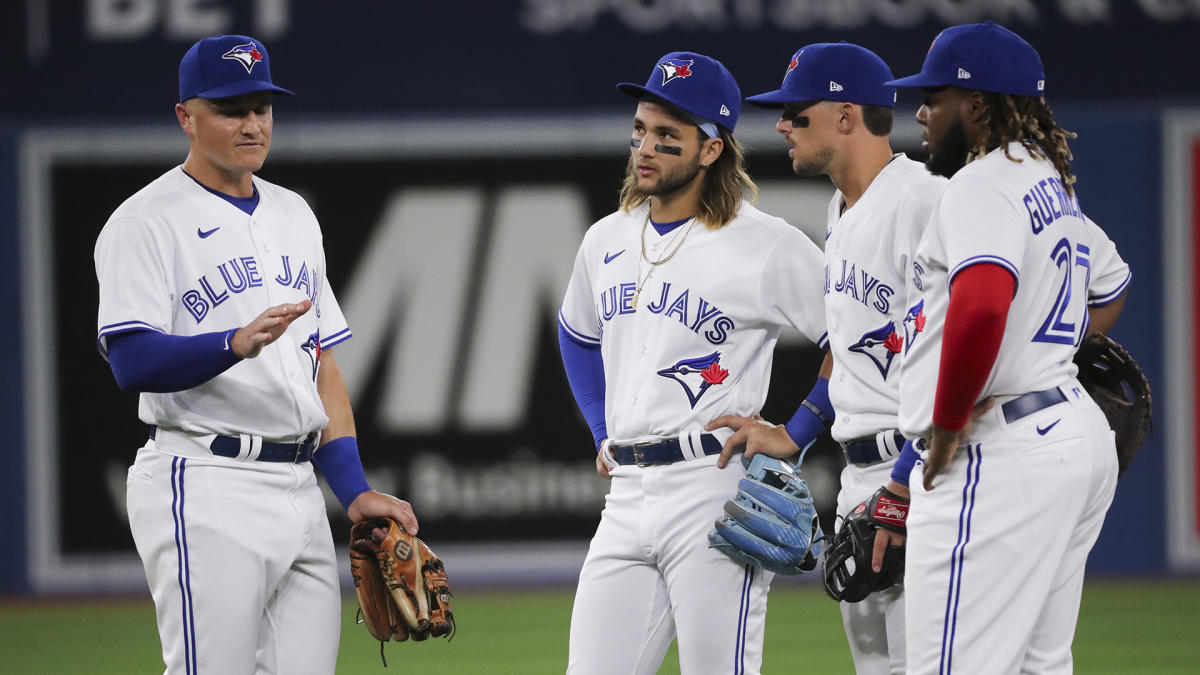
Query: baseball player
{"points": [[215, 305], [837, 114], [669, 320], [1009, 278]]}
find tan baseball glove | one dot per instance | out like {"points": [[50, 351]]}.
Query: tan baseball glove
{"points": [[401, 584]]}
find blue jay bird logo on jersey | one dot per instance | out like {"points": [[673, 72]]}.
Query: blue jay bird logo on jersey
{"points": [[914, 323], [698, 375], [881, 346], [312, 347], [675, 69], [248, 55]]}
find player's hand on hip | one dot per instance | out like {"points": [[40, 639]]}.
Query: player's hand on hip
{"points": [[604, 462], [944, 442], [753, 435], [249, 340], [372, 504]]}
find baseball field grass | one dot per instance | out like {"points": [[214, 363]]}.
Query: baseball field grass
{"points": [[1125, 627]]}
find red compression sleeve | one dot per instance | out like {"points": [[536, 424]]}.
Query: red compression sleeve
{"points": [[980, 297]]}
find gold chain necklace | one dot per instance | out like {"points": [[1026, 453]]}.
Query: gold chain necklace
{"points": [[655, 263]]}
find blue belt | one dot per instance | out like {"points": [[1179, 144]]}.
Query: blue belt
{"points": [[230, 446], [867, 450], [659, 452], [1027, 404]]}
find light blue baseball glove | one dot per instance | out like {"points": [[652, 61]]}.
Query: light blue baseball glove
{"points": [[771, 522]]}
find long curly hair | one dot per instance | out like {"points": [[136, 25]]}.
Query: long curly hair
{"points": [[1028, 121], [726, 184]]}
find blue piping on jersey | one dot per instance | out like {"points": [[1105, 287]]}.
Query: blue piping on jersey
{"points": [[576, 335], [1111, 296], [337, 338], [957, 558], [986, 259], [244, 204]]}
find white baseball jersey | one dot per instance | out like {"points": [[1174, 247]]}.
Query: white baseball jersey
{"points": [[1016, 215], [868, 254], [178, 259], [699, 342]]}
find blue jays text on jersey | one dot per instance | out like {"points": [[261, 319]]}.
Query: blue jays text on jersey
{"points": [[859, 284], [693, 312], [240, 273]]}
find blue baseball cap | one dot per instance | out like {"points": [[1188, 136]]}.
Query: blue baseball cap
{"points": [[696, 85], [832, 71], [982, 57], [225, 65]]}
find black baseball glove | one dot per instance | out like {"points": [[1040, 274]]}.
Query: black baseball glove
{"points": [[846, 562], [1119, 387]]}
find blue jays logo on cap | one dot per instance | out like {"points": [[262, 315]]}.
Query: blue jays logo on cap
{"points": [[247, 55], [675, 68], [795, 62]]}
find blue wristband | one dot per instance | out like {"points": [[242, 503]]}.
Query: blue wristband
{"points": [[814, 416], [339, 462], [904, 463]]}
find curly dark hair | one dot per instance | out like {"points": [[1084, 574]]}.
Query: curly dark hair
{"points": [[1028, 121]]}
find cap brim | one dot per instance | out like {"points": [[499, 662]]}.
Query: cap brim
{"points": [[777, 98], [642, 93], [918, 80], [241, 88]]}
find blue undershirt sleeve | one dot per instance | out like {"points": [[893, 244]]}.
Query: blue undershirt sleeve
{"points": [[149, 361], [339, 462], [585, 373], [904, 464], [813, 416]]}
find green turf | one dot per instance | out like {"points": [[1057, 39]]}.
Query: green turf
{"points": [[1125, 627]]}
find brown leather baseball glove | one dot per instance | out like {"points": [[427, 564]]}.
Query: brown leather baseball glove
{"points": [[401, 584], [1118, 385]]}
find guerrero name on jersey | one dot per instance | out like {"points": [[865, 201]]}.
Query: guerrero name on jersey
{"points": [[1061, 260], [222, 268], [695, 335], [868, 253]]}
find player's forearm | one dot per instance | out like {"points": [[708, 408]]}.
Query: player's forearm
{"points": [[585, 373], [148, 361], [337, 458], [979, 300], [1103, 317], [332, 390]]}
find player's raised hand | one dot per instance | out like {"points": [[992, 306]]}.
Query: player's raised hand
{"points": [[755, 435], [249, 340], [372, 504]]}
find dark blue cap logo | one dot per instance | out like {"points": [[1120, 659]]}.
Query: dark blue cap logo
{"points": [[675, 68], [247, 55]]}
